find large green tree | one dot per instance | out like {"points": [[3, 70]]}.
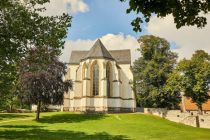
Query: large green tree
{"points": [[185, 12], [193, 78], [21, 28], [151, 72]]}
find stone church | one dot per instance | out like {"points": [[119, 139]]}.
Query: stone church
{"points": [[102, 81]]}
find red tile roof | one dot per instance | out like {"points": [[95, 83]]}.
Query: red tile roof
{"points": [[189, 105]]}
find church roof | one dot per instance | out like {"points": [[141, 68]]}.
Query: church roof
{"points": [[99, 51]]}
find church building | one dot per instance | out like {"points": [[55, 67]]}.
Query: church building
{"points": [[102, 81]]}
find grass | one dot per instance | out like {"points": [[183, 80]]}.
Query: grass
{"points": [[57, 126], [13, 116]]}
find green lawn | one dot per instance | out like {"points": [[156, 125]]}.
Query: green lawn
{"points": [[110, 126]]}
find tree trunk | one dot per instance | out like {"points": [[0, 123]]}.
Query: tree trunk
{"points": [[21, 103], [200, 110], [197, 121], [10, 105], [10, 108], [38, 110]]}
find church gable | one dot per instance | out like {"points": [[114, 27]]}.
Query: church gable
{"points": [[99, 51]]}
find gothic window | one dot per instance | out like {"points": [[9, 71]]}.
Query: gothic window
{"points": [[95, 80], [108, 77]]}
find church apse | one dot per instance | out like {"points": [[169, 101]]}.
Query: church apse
{"points": [[99, 84]]}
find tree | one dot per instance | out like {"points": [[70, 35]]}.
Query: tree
{"points": [[152, 70], [42, 78], [185, 12], [193, 78], [22, 27], [9, 100]]}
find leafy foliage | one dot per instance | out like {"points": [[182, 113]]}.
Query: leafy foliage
{"points": [[176, 82], [185, 12], [193, 77], [8, 102], [22, 28], [151, 72]]}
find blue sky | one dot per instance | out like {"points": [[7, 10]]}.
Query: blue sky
{"points": [[103, 17], [107, 19]]}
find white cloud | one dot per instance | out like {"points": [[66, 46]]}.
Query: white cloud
{"points": [[110, 41], [188, 39], [57, 7], [77, 6]]}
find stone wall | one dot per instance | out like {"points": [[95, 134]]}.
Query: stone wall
{"points": [[156, 111], [204, 121], [189, 118]]}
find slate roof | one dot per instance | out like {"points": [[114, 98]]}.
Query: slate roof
{"points": [[76, 56], [99, 51], [121, 56]]}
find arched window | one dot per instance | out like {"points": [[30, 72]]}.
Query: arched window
{"points": [[108, 77], [95, 80]]}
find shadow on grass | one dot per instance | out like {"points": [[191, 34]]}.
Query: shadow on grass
{"points": [[21, 126], [9, 116], [70, 118], [57, 135]]}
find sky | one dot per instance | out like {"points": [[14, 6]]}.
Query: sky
{"points": [[107, 20]]}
